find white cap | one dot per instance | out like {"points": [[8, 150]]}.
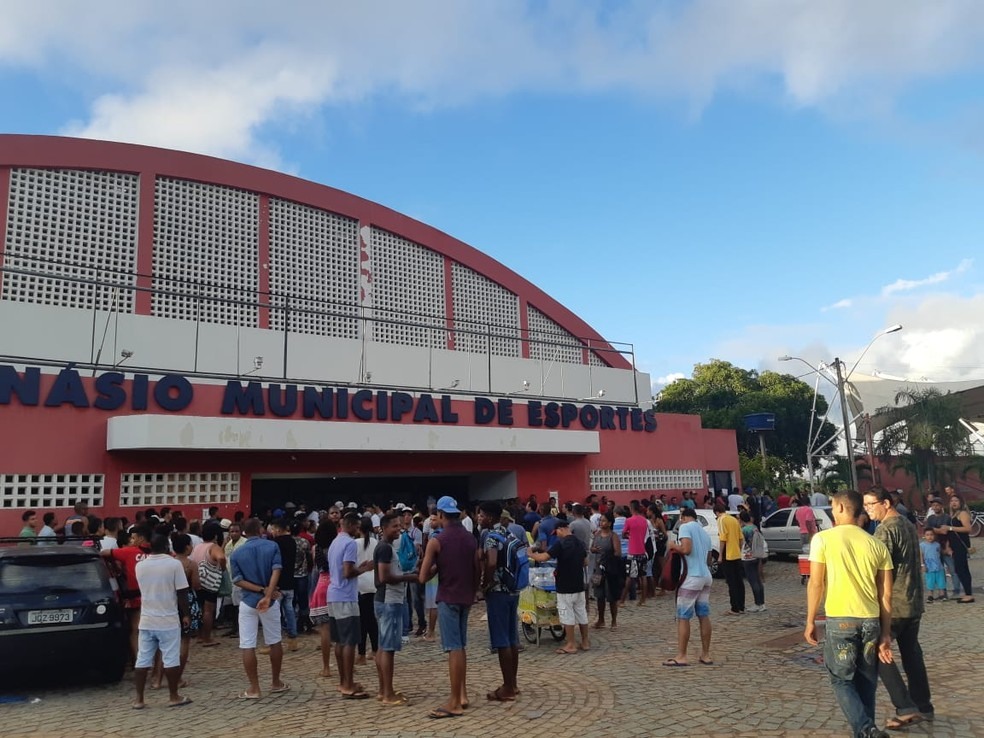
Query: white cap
{"points": [[352, 506], [340, 505]]}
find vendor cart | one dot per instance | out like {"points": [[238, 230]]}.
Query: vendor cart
{"points": [[538, 606]]}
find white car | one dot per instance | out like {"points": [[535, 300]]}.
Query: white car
{"points": [[782, 533], [708, 520]]}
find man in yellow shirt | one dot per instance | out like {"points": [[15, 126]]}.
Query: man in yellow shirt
{"points": [[855, 569], [729, 531]]}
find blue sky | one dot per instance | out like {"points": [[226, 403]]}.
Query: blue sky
{"points": [[702, 179]]}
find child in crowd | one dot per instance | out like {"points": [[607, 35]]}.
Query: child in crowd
{"points": [[932, 565]]}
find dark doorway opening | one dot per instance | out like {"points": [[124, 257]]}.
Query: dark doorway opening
{"points": [[320, 493]]}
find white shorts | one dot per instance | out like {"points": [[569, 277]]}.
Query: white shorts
{"points": [[572, 609], [250, 619], [149, 641]]}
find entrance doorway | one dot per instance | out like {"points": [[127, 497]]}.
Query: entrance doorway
{"points": [[321, 492]]}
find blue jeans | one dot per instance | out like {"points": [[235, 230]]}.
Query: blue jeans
{"points": [[287, 615], [850, 654], [948, 566]]}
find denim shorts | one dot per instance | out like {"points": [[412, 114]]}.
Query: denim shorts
{"points": [[168, 641], [503, 612], [389, 616], [453, 622]]}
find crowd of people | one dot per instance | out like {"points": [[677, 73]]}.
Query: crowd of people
{"points": [[361, 576]]}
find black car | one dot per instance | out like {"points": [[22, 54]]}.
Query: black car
{"points": [[60, 613]]}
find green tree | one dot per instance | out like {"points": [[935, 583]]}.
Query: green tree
{"points": [[924, 428], [723, 394]]}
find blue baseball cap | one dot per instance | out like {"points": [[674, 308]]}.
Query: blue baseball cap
{"points": [[448, 505]]}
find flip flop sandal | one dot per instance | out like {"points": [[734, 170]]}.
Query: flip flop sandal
{"points": [[182, 703], [496, 697], [706, 662], [355, 696], [897, 723], [673, 662], [248, 696], [279, 690], [439, 713]]}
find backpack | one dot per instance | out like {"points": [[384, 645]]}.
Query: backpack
{"points": [[757, 545], [406, 552], [674, 571], [513, 562]]}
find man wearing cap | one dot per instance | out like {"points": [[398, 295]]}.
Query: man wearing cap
{"points": [[454, 557]]}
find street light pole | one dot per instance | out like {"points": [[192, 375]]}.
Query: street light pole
{"points": [[847, 424], [842, 396]]}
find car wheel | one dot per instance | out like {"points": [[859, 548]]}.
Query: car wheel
{"points": [[717, 571], [112, 672]]}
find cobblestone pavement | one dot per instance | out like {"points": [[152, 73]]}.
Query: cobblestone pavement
{"points": [[765, 682]]}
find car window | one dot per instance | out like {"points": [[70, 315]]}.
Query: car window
{"points": [[777, 519], [34, 575]]}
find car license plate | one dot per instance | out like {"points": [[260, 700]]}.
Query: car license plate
{"points": [[44, 617]]}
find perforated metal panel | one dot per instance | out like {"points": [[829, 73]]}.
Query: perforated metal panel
{"points": [[45, 491], [619, 480], [550, 342], [408, 288], [72, 223], [482, 306], [179, 488], [314, 261], [208, 235]]}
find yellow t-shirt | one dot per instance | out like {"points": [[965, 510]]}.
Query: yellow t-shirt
{"points": [[729, 531], [853, 558]]}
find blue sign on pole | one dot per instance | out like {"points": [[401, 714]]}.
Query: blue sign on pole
{"points": [[758, 422]]}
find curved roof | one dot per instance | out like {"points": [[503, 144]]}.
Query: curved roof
{"points": [[55, 152], [876, 396]]}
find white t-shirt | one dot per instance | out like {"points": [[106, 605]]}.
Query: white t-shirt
{"points": [[466, 523], [367, 579], [195, 540], [819, 499], [595, 520], [108, 542], [734, 501], [159, 577]]}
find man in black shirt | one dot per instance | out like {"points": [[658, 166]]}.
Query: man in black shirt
{"points": [[280, 530], [571, 556]]}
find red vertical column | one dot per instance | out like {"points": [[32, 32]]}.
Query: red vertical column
{"points": [[449, 301], [4, 207], [524, 328], [263, 259], [147, 184]]}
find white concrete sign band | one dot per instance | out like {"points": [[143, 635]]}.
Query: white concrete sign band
{"points": [[201, 433]]}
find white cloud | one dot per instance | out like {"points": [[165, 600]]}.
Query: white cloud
{"points": [[210, 76], [839, 305], [943, 340], [904, 285], [668, 379], [891, 291]]}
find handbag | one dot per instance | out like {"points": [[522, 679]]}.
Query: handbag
{"points": [[225, 589], [210, 576]]}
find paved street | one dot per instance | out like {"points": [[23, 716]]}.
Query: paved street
{"points": [[765, 682]]}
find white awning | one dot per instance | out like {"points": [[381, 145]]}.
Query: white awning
{"points": [[872, 395], [202, 433]]}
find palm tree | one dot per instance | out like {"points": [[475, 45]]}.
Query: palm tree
{"points": [[924, 428]]}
